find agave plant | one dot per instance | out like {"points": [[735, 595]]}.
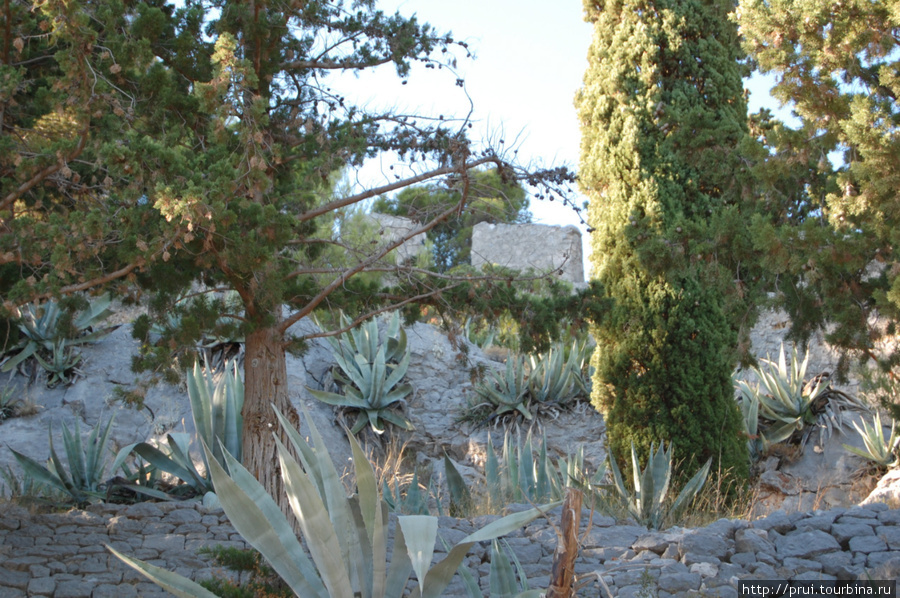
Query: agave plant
{"points": [[756, 442], [216, 409], [88, 464], [788, 403], [877, 450], [519, 475], [61, 364], [505, 393], [9, 403], [370, 375], [46, 338], [502, 576], [648, 504], [552, 377], [413, 502], [346, 545]]}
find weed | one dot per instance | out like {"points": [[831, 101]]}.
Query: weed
{"points": [[263, 581]]}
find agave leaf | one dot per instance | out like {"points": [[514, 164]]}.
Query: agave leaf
{"points": [[121, 456], [198, 386], [313, 516], [396, 395], [401, 566], [233, 422], [336, 399], [439, 576], [30, 349], [688, 493], [255, 516], [97, 310], [502, 576], [397, 419], [491, 474], [172, 582], [38, 472], [96, 453], [75, 456], [420, 532], [172, 464], [56, 468], [662, 475], [398, 373], [472, 588], [460, 497], [366, 486]]}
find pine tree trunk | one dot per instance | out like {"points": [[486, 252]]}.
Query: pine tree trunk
{"points": [[265, 384]]}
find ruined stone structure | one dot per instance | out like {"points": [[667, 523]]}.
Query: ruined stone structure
{"points": [[392, 228], [537, 246]]}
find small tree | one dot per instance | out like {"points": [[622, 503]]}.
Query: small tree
{"points": [[664, 119], [215, 172]]}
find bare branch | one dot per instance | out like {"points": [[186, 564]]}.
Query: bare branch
{"points": [[401, 184]]}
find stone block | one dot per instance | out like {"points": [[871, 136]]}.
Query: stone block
{"points": [[107, 590], [14, 579], [74, 589], [679, 582], [704, 544], [876, 559], [142, 510], [163, 542], [182, 516], [753, 540], [867, 544], [41, 586], [890, 534], [777, 521], [743, 558], [806, 544]]}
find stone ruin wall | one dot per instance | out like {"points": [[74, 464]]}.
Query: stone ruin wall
{"points": [[544, 247], [536, 246]]}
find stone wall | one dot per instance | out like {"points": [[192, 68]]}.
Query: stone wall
{"points": [[537, 246], [392, 228], [63, 555]]}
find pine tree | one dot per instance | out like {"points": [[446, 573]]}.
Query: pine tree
{"points": [[836, 66], [186, 150], [663, 122]]}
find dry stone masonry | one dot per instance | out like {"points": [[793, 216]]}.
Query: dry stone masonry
{"points": [[62, 555], [522, 246]]}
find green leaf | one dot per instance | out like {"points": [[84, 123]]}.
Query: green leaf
{"points": [[255, 516], [172, 582]]}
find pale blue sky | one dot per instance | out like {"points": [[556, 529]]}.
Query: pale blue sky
{"points": [[530, 60]]}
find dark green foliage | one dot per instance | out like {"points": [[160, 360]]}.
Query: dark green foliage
{"points": [[491, 199], [671, 376], [664, 123]]}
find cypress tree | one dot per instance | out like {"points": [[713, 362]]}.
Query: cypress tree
{"points": [[663, 121]]}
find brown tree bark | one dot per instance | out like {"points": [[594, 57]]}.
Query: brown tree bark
{"points": [[562, 576], [265, 384]]}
